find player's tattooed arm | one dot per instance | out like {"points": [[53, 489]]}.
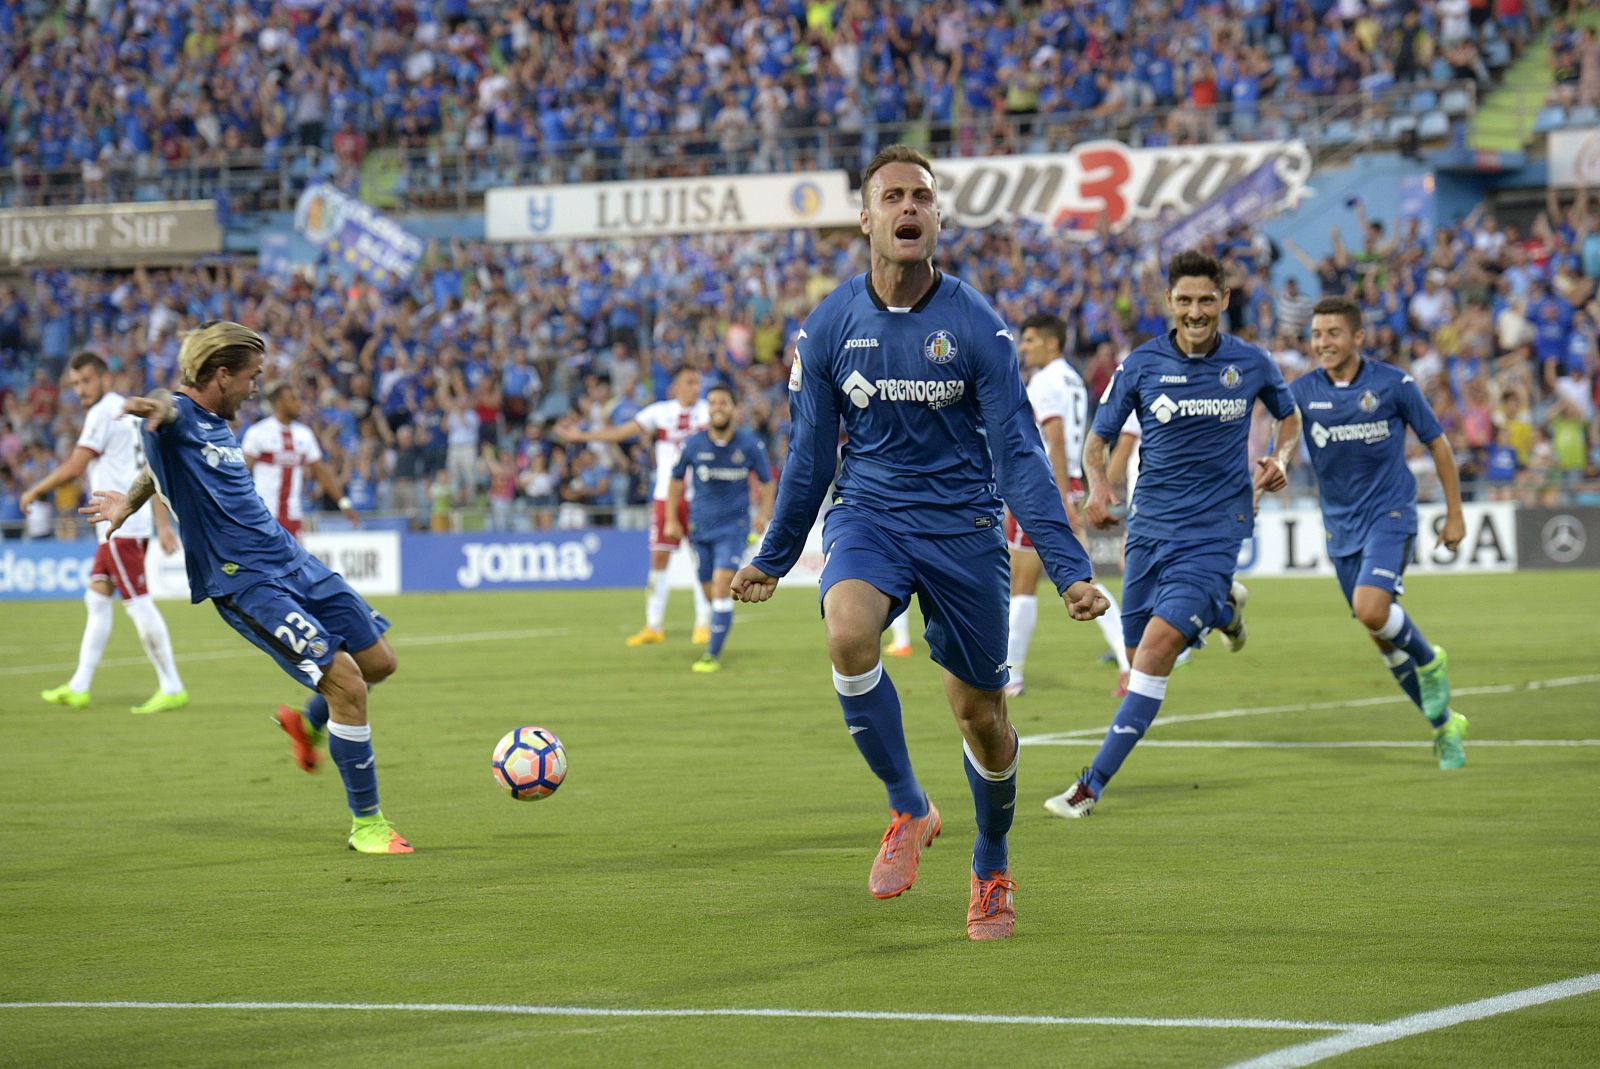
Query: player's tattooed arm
{"points": [[1097, 507], [155, 410], [114, 508]]}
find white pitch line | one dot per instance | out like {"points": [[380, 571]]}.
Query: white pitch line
{"points": [[246, 650], [1268, 1024], [1431, 1021], [1257, 744], [1309, 707]]}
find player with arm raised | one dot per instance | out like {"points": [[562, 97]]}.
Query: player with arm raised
{"points": [[109, 451], [923, 374], [669, 423], [1356, 414], [264, 584], [1193, 389], [721, 459], [1061, 409], [280, 450]]}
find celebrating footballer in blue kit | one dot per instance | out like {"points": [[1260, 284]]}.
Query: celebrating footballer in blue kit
{"points": [[923, 374], [1356, 415], [1193, 390], [721, 460], [262, 581]]}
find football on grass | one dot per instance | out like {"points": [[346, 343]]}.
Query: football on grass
{"points": [[529, 763]]}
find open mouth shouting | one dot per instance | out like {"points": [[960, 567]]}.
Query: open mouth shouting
{"points": [[908, 232]]}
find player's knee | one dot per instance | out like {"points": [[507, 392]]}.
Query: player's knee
{"points": [[981, 716], [852, 644], [378, 663], [1372, 610]]}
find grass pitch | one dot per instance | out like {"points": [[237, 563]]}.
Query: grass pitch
{"points": [[710, 848]]}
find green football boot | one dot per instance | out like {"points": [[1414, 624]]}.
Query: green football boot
{"points": [[1434, 683], [375, 835], [1447, 742], [162, 702], [65, 695]]}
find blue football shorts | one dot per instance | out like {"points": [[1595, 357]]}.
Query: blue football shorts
{"points": [[1186, 583], [301, 620], [1381, 562], [722, 549], [962, 583]]}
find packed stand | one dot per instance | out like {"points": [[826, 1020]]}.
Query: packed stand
{"points": [[159, 100], [446, 403]]}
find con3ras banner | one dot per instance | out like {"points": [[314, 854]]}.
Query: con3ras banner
{"points": [[1069, 192], [1292, 542], [670, 206]]}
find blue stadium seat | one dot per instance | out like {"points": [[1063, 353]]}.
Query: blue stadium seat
{"points": [[1283, 65], [1551, 117], [1397, 125], [1424, 100], [1455, 102], [1339, 132], [1497, 54], [1583, 115], [1434, 126]]}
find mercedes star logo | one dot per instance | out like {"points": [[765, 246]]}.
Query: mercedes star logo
{"points": [[1564, 538]]}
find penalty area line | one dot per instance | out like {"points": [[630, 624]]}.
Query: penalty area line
{"points": [[1313, 707], [1317, 1050], [1246, 1023]]}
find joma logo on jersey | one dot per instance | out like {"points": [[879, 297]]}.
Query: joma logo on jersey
{"points": [[861, 343], [217, 455], [1366, 433], [1226, 409], [935, 393]]}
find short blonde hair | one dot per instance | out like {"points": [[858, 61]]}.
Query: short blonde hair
{"points": [[217, 344]]}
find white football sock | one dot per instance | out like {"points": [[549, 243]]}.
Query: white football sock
{"points": [[702, 608], [900, 628], [147, 620], [655, 599], [1111, 629], [95, 632], [1024, 614]]}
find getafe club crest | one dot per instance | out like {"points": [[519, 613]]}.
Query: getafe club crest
{"points": [[940, 347], [1369, 401], [1231, 377]]}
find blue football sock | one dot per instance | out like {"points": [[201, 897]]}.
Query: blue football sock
{"points": [[721, 621], [994, 797], [316, 712], [872, 711], [1404, 671], [1401, 633], [1141, 705], [351, 749]]}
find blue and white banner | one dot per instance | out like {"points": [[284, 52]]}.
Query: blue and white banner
{"points": [[512, 560], [1245, 201], [356, 236], [47, 569]]}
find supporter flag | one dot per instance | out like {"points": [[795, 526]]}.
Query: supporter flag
{"points": [[1248, 200], [357, 237]]}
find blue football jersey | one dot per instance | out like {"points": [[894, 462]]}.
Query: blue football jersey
{"points": [[1194, 418], [938, 423], [720, 502], [1356, 436], [230, 540]]}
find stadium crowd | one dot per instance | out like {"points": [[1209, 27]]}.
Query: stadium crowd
{"points": [[106, 98], [450, 397]]}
